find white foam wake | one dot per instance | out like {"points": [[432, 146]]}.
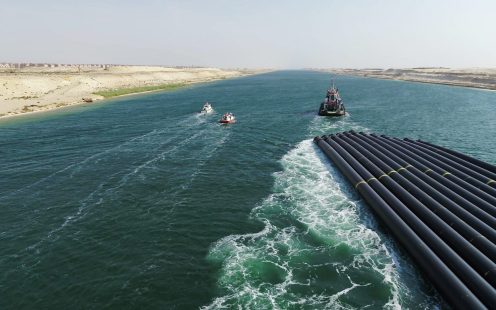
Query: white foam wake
{"points": [[325, 125], [314, 233]]}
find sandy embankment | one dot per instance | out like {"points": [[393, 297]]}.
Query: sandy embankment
{"points": [[40, 89], [472, 77]]}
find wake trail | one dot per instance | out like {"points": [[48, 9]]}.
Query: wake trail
{"points": [[311, 214], [97, 196], [188, 122], [79, 165], [305, 192]]}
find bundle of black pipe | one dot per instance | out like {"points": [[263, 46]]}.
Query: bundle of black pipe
{"points": [[439, 204]]}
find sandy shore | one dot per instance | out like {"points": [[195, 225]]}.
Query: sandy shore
{"points": [[471, 77], [41, 89]]}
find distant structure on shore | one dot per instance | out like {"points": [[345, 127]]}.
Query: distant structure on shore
{"points": [[24, 65]]}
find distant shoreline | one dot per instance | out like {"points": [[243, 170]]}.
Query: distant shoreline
{"points": [[78, 103], [31, 90], [472, 78]]}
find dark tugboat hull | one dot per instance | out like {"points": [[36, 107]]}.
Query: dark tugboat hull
{"points": [[324, 112], [328, 113]]}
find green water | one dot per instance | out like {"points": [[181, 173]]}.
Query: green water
{"points": [[139, 202]]}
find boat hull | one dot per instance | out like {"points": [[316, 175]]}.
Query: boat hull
{"points": [[227, 122], [324, 112], [327, 113]]}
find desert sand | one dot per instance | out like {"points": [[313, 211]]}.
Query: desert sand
{"points": [[34, 89], [471, 77]]}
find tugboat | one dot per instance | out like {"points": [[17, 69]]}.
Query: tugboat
{"points": [[207, 108], [227, 118], [332, 104]]}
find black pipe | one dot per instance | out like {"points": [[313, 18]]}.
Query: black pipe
{"points": [[468, 168], [419, 210], [485, 202], [450, 286], [464, 209], [458, 218], [470, 159], [458, 170], [464, 163], [436, 172]]}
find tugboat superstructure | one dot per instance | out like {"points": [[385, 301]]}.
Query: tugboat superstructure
{"points": [[332, 104], [207, 108]]}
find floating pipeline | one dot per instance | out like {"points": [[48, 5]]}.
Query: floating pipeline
{"points": [[443, 150], [481, 251], [483, 200], [473, 205], [473, 177], [431, 229], [438, 205]]}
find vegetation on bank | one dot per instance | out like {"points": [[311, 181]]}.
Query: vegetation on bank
{"points": [[125, 91]]}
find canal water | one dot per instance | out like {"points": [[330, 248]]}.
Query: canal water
{"points": [[140, 202]]}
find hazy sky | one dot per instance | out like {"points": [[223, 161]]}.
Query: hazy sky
{"points": [[266, 33]]}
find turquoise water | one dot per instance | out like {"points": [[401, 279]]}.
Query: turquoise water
{"points": [[140, 202]]}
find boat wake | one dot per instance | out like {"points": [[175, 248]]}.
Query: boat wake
{"points": [[144, 156], [315, 250], [324, 125]]}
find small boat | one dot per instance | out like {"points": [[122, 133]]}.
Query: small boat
{"points": [[227, 118], [332, 104], [207, 108]]}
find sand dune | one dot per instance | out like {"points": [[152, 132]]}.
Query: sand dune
{"points": [[35, 89]]}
